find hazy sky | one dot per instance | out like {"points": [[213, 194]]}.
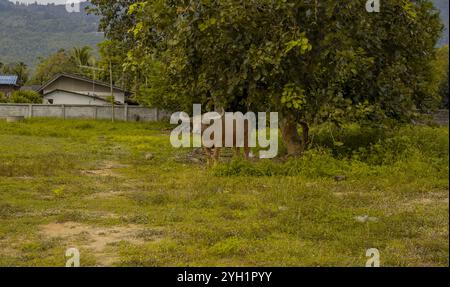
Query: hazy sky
{"points": [[42, 1]]}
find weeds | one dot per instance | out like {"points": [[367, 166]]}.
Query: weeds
{"points": [[294, 212]]}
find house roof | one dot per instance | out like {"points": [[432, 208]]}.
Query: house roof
{"points": [[81, 78], [79, 94], [8, 80]]}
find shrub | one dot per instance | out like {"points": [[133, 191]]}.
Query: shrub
{"points": [[26, 97], [3, 98], [346, 139], [314, 163], [361, 151]]}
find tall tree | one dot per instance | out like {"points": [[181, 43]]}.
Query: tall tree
{"points": [[115, 20], [19, 69], [310, 60], [57, 63], [113, 53], [441, 74], [82, 56]]}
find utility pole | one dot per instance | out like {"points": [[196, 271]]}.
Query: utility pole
{"points": [[110, 81], [93, 79], [112, 91]]}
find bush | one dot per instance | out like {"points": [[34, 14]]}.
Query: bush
{"points": [[345, 140], [3, 98], [314, 163], [25, 97], [361, 151]]}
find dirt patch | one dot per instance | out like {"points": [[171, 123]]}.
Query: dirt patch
{"points": [[97, 239], [24, 178], [101, 172], [343, 194], [106, 168], [425, 200], [106, 194], [7, 249], [430, 198]]}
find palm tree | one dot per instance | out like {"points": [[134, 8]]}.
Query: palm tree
{"points": [[82, 56]]}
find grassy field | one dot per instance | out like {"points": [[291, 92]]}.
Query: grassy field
{"points": [[121, 195]]}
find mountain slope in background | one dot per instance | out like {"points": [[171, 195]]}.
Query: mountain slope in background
{"points": [[33, 31], [443, 6]]}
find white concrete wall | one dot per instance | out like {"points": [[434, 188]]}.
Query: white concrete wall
{"points": [[94, 112], [64, 98]]}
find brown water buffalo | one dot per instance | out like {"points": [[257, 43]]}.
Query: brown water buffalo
{"points": [[213, 151]]}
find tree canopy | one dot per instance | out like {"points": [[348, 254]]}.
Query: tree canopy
{"points": [[19, 69], [74, 61], [310, 60]]}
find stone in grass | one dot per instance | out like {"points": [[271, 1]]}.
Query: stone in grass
{"points": [[149, 156], [365, 218], [283, 208]]}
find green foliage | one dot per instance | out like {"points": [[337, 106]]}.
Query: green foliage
{"points": [[313, 62], [25, 97], [82, 56], [441, 75], [116, 18], [80, 60], [363, 151], [3, 98], [18, 69], [112, 53], [159, 84], [115, 21], [293, 97], [229, 246], [56, 174], [226, 49], [60, 62]]}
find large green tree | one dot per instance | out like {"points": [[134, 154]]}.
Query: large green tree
{"points": [[309, 60], [19, 69], [60, 62], [82, 56], [116, 22], [113, 52], [440, 75]]}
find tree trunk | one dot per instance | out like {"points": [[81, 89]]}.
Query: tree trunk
{"points": [[305, 135], [295, 143]]}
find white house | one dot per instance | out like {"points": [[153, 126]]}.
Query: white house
{"points": [[62, 97], [69, 89]]}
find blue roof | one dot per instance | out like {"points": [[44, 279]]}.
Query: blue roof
{"points": [[8, 80]]}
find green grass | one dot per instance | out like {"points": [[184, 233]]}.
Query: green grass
{"points": [[88, 185]]}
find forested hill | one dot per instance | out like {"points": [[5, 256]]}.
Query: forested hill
{"points": [[29, 32], [443, 7]]}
